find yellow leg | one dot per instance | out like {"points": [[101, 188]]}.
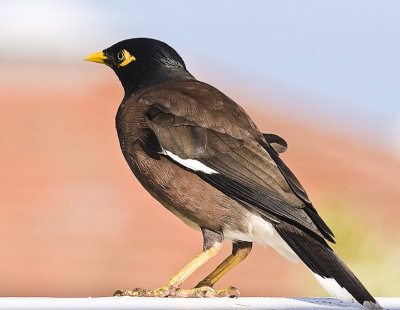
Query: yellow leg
{"points": [[230, 262], [239, 253], [171, 288], [193, 265]]}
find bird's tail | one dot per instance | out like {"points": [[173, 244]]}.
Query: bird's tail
{"points": [[330, 271]]}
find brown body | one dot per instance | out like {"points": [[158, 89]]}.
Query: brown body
{"points": [[173, 188]]}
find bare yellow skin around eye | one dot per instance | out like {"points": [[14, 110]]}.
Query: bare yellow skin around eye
{"points": [[128, 58]]}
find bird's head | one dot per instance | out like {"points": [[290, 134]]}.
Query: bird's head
{"points": [[141, 63]]}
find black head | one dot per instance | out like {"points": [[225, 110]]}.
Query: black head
{"points": [[141, 63]]}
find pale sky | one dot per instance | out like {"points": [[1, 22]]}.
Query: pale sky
{"points": [[342, 58]]}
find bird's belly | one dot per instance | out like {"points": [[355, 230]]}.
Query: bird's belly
{"points": [[200, 205], [186, 195], [184, 219]]}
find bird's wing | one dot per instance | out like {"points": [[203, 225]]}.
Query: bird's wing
{"points": [[277, 143], [202, 130]]}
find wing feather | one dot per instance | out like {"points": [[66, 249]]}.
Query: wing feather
{"points": [[221, 136]]}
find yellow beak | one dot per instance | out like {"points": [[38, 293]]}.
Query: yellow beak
{"points": [[97, 57]]}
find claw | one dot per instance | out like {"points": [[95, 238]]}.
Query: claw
{"points": [[123, 293], [229, 291]]}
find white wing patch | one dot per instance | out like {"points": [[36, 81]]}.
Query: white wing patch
{"points": [[192, 164], [334, 289]]}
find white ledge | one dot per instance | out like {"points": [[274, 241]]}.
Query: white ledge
{"points": [[185, 303]]}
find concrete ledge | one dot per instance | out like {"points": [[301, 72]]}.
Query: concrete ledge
{"points": [[185, 303]]}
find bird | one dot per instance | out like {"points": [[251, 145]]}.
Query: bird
{"points": [[202, 157]]}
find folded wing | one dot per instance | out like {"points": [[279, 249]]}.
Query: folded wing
{"points": [[229, 152]]}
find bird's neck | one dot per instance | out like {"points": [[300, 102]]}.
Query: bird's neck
{"points": [[152, 78]]}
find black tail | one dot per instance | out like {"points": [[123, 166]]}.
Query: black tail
{"points": [[328, 268]]}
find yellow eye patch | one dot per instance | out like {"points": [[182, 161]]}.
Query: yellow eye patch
{"points": [[125, 57]]}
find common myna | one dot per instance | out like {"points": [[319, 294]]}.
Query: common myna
{"points": [[201, 156]]}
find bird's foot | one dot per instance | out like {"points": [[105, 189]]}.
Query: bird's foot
{"points": [[205, 291], [197, 292], [172, 291], [141, 292]]}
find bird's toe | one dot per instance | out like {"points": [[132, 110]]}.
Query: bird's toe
{"points": [[229, 291], [141, 292], [197, 292]]}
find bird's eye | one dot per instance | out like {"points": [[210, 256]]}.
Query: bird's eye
{"points": [[124, 58], [121, 55]]}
